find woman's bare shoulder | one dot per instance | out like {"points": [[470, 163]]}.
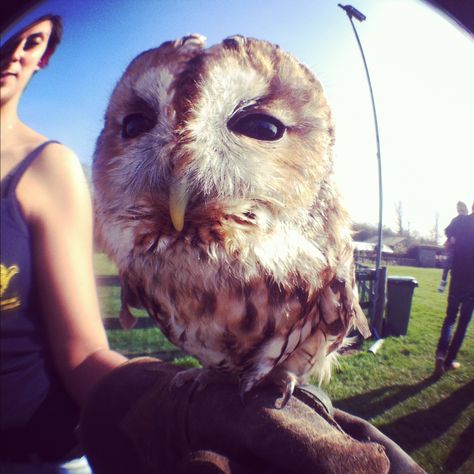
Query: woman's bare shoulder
{"points": [[55, 152], [54, 182], [57, 164]]}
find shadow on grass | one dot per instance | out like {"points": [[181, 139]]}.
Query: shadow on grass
{"points": [[463, 449], [422, 426], [376, 402]]}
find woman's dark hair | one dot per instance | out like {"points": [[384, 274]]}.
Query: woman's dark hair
{"points": [[56, 33], [53, 41]]}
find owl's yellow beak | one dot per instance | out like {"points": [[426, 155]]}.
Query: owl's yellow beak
{"points": [[178, 201]]}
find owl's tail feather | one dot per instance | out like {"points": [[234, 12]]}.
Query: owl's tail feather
{"points": [[128, 298], [126, 318]]}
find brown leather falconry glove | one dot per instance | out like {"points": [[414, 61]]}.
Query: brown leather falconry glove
{"points": [[135, 422]]}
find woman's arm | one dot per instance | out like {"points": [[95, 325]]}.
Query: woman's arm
{"points": [[56, 202]]}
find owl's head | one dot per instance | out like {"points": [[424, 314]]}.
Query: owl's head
{"points": [[240, 128]]}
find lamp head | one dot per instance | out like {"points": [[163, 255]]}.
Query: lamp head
{"points": [[352, 12]]}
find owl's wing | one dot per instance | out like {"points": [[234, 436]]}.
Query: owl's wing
{"points": [[340, 309]]}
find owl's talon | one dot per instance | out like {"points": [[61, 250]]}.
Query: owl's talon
{"points": [[243, 395], [286, 383], [200, 378], [185, 376], [201, 383], [281, 402]]}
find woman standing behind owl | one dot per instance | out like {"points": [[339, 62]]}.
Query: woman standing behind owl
{"points": [[53, 347]]}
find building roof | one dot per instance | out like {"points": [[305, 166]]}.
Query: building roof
{"points": [[370, 247], [390, 241]]}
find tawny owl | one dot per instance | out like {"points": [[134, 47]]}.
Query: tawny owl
{"points": [[214, 196]]}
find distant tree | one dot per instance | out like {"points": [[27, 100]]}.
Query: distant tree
{"points": [[435, 231], [364, 231], [399, 215]]}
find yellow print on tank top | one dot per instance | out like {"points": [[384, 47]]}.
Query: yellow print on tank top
{"points": [[6, 274]]}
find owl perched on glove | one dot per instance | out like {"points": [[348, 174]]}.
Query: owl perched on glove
{"points": [[214, 196]]}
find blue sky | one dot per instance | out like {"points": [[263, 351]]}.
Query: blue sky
{"points": [[421, 66]]}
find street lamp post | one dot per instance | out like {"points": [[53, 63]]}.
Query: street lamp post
{"points": [[354, 13]]}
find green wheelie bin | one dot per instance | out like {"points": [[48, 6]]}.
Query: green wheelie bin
{"points": [[399, 297]]}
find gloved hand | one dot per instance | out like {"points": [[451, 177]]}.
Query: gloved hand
{"points": [[136, 423], [400, 461]]}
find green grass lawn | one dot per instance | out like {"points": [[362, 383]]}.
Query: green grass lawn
{"points": [[433, 420]]}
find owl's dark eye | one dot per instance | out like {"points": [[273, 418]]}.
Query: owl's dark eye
{"points": [[134, 125], [258, 126]]}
